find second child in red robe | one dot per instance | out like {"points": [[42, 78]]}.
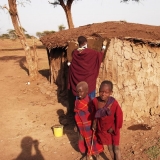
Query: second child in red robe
{"points": [[108, 119]]}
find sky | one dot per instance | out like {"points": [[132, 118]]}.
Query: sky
{"points": [[39, 15]]}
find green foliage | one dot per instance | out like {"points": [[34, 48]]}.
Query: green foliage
{"points": [[12, 33], [41, 34], [28, 36], [23, 29], [4, 36], [61, 27], [153, 152]]}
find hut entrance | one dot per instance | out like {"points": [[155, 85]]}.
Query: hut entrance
{"points": [[58, 69]]}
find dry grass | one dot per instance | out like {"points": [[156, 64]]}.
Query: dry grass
{"points": [[15, 44], [12, 49]]}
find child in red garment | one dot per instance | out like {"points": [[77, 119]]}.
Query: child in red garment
{"points": [[87, 140], [108, 119]]}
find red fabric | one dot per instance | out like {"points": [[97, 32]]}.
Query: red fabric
{"points": [[84, 67], [82, 145], [83, 120], [113, 121]]}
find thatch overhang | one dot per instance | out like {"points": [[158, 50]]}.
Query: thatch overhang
{"points": [[139, 33]]}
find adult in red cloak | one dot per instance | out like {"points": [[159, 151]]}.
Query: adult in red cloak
{"points": [[85, 67]]}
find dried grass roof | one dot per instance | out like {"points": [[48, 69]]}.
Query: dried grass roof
{"points": [[123, 30]]}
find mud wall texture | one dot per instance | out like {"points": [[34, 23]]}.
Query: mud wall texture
{"points": [[59, 69], [134, 70]]}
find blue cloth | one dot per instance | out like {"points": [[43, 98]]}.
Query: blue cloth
{"points": [[105, 111], [92, 94]]}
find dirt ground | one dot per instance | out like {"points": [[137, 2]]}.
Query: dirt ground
{"points": [[28, 111]]}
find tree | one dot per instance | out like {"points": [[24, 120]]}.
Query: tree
{"points": [[66, 5], [31, 61], [47, 32], [4, 36], [12, 33], [61, 27], [130, 0], [28, 36], [41, 34]]}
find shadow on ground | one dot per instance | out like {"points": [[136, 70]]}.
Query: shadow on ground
{"points": [[139, 127], [27, 144], [22, 60], [22, 64], [8, 58], [69, 124], [44, 73]]}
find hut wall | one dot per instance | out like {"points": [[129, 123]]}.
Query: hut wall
{"points": [[59, 69], [134, 70]]}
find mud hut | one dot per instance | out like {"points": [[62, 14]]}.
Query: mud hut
{"points": [[132, 62]]}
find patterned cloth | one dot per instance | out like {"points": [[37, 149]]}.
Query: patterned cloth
{"points": [[105, 111], [83, 120]]}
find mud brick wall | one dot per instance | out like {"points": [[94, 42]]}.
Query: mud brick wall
{"points": [[134, 70]]}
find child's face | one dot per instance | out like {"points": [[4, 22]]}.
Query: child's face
{"points": [[81, 92], [104, 92]]}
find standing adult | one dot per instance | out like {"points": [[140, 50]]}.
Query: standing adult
{"points": [[84, 67]]}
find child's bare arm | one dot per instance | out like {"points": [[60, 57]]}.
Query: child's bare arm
{"points": [[110, 130], [94, 125], [75, 128]]}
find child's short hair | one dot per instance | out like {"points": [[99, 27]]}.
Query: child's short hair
{"points": [[83, 84], [81, 40], [106, 82]]}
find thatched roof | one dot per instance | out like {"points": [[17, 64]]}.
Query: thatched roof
{"points": [[123, 30]]}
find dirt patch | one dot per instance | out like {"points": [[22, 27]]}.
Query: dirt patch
{"points": [[29, 110]]}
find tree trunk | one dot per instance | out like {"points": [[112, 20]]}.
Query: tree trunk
{"points": [[69, 18], [31, 61]]}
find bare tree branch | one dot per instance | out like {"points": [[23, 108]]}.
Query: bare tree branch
{"points": [[125, 1], [62, 4], [54, 3], [66, 5], [5, 7], [69, 3], [23, 2]]}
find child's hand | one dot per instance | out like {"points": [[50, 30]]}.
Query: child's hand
{"points": [[94, 126], [105, 42], [110, 130]]}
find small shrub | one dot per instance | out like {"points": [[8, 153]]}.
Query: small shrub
{"points": [[154, 151]]}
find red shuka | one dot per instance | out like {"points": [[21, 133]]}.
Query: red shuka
{"points": [[83, 120], [84, 67], [113, 121]]}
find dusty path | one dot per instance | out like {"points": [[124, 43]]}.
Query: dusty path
{"points": [[29, 111]]}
